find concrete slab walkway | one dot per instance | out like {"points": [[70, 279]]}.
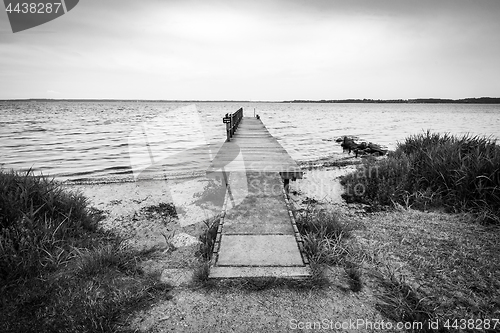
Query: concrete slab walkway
{"points": [[257, 236]]}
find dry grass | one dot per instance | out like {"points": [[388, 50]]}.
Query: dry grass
{"points": [[432, 265], [94, 292]]}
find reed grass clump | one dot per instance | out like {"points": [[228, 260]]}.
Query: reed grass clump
{"points": [[431, 170], [58, 272], [40, 222]]}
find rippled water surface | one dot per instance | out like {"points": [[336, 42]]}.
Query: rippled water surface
{"points": [[104, 140]]}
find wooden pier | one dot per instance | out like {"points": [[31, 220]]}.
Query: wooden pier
{"points": [[257, 235]]}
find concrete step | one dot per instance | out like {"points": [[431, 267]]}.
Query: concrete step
{"points": [[257, 272], [259, 250]]}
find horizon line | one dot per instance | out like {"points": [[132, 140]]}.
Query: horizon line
{"points": [[494, 100]]}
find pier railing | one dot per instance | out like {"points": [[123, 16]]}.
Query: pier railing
{"points": [[232, 120]]}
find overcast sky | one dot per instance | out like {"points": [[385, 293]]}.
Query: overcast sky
{"points": [[257, 50]]}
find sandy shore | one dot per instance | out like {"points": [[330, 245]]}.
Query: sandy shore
{"points": [[127, 206], [134, 209]]}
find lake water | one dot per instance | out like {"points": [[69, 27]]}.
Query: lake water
{"points": [[110, 140]]}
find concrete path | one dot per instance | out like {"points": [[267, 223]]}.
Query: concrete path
{"points": [[257, 236]]}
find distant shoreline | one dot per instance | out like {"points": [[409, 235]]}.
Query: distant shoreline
{"points": [[480, 100]]}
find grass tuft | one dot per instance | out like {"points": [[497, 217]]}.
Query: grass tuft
{"points": [[92, 262], [324, 236], [325, 244], [201, 272]]}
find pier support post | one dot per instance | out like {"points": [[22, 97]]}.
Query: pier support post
{"points": [[227, 121]]}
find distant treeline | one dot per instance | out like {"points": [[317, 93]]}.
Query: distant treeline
{"points": [[481, 100]]}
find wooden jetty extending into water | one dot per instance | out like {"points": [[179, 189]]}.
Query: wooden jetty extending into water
{"points": [[257, 235]]}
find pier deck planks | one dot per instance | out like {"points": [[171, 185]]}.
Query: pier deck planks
{"points": [[255, 149]]}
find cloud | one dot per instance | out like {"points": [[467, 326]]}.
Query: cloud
{"points": [[268, 50]]}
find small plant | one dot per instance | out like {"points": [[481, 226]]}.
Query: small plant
{"points": [[205, 250], [207, 239], [165, 211]]}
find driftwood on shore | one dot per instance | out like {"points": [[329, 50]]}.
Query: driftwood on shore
{"points": [[349, 145]]}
